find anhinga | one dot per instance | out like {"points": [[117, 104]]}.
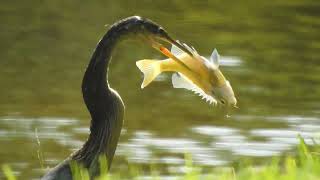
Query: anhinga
{"points": [[103, 102]]}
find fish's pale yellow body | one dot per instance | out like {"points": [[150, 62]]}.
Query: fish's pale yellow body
{"points": [[194, 73]]}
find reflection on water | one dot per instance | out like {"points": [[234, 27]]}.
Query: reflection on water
{"points": [[216, 145], [269, 54]]}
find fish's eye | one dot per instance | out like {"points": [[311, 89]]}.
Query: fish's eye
{"points": [[223, 101]]}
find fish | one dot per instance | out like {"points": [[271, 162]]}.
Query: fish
{"points": [[195, 73]]}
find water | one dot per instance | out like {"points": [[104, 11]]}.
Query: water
{"points": [[270, 55]]}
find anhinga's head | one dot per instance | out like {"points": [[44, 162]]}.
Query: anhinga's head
{"points": [[155, 34]]}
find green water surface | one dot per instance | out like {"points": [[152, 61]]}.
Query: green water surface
{"points": [[270, 54]]}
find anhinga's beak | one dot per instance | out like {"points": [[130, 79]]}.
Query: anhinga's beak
{"points": [[166, 38], [178, 44]]}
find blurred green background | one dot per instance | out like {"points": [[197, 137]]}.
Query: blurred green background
{"points": [[270, 54]]}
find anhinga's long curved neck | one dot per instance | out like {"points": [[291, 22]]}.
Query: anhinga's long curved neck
{"points": [[95, 79], [105, 105]]}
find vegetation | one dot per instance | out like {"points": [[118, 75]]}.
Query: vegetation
{"points": [[304, 165]]}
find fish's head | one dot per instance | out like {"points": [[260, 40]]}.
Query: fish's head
{"points": [[224, 95], [220, 88]]}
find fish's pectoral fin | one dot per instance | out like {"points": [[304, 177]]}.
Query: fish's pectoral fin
{"points": [[150, 69], [215, 58], [178, 81]]}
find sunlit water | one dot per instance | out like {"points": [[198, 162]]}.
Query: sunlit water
{"points": [[270, 54]]}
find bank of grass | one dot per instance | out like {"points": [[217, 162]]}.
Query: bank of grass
{"points": [[305, 165]]}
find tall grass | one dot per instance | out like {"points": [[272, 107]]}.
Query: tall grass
{"points": [[8, 172], [305, 165]]}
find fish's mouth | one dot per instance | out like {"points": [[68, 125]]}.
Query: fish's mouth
{"points": [[232, 105]]}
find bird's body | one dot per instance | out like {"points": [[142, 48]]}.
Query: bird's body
{"points": [[104, 104]]}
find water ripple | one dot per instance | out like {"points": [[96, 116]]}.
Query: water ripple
{"points": [[214, 131], [139, 147]]}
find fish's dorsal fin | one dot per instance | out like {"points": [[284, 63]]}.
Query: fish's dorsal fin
{"points": [[188, 47], [176, 51], [193, 48], [180, 81], [214, 58]]}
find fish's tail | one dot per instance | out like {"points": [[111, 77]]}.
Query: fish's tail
{"points": [[150, 69]]}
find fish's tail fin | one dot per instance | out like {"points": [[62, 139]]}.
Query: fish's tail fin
{"points": [[150, 69]]}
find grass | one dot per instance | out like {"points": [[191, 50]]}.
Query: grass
{"points": [[304, 165], [8, 172]]}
